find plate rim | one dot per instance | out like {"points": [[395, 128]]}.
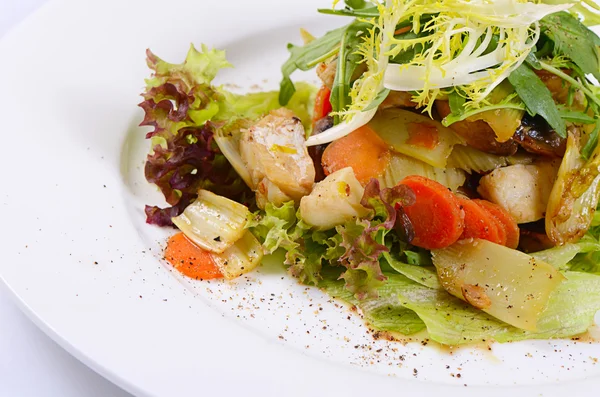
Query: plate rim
{"points": [[47, 11]]}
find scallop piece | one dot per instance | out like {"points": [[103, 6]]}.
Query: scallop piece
{"points": [[326, 72], [334, 201], [275, 153], [522, 190]]}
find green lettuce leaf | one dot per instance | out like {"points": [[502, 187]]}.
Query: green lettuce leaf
{"points": [[357, 246], [586, 262], [305, 249], [199, 68], [367, 240], [233, 107], [450, 321], [406, 306], [561, 256], [424, 275], [180, 95], [363, 273], [275, 227], [418, 256], [383, 313]]}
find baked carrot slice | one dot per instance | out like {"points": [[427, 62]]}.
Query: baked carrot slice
{"points": [[363, 150], [322, 106], [436, 216], [190, 259], [480, 223], [502, 233], [505, 219]]}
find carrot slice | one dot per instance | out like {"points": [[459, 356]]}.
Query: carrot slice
{"points": [[436, 216], [479, 223], [505, 219], [190, 259], [363, 150], [502, 232], [322, 104], [402, 30], [423, 134]]}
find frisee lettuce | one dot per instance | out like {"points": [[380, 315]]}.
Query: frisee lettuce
{"points": [[453, 50]]}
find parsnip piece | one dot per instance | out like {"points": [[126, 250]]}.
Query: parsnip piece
{"points": [[240, 258], [213, 222], [393, 126], [334, 201], [505, 283], [401, 166], [471, 160], [522, 190], [575, 195]]}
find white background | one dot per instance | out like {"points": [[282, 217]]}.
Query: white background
{"points": [[31, 364]]}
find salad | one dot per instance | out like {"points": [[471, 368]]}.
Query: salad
{"points": [[444, 177]]}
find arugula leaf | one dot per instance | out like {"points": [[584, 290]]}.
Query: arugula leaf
{"points": [[368, 12], [575, 116], [574, 40], [306, 57], [592, 142], [456, 102], [537, 97], [348, 60], [589, 15], [533, 61], [356, 4]]}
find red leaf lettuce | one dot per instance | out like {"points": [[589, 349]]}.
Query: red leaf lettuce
{"points": [[178, 102]]}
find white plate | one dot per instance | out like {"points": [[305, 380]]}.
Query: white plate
{"points": [[82, 263]]}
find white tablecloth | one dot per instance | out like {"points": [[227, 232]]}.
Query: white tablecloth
{"points": [[31, 364]]}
